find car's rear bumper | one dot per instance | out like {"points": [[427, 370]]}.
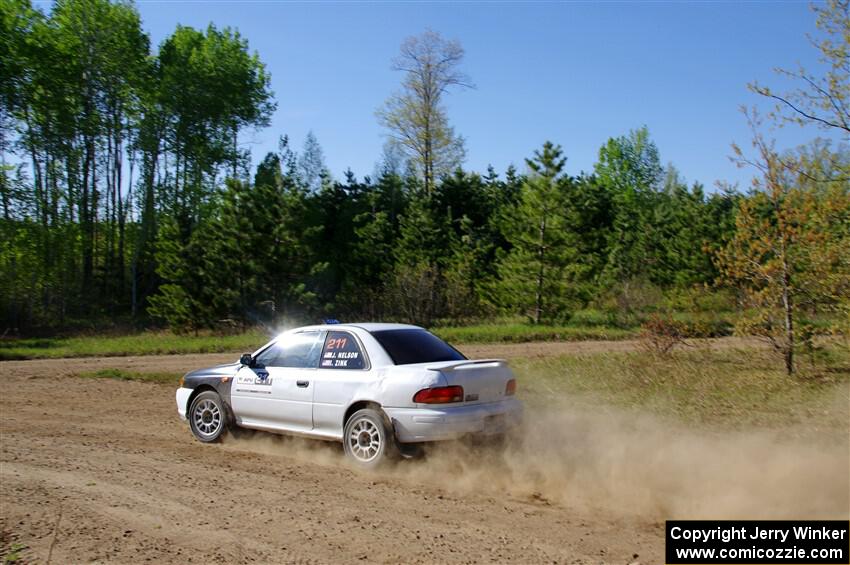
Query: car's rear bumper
{"points": [[444, 423], [183, 395]]}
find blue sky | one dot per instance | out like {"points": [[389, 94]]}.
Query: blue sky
{"points": [[575, 73]]}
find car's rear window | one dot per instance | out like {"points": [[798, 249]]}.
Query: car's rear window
{"points": [[409, 346]]}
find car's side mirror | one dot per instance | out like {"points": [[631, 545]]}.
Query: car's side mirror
{"points": [[246, 359]]}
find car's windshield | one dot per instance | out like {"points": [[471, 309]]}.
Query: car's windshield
{"points": [[409, 346]]}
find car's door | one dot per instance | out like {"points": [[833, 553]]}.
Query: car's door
{"points": [[277, 390], [343, 370]]}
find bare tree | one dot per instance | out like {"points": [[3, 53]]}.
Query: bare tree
{"points": [[820, 100], [415, 116]]}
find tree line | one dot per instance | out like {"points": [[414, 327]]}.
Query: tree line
{"points": [[126, 196], [102, 140]]}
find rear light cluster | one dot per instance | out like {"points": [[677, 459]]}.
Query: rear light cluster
{"points": [[439, 395], [449, 394]]}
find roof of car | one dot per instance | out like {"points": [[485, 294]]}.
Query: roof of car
{"points": [[368, 326], [377, 327]]}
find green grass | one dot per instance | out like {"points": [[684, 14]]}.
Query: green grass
{"points": [[14, 553], [147, 343], [517, 333], [122, 375], [167, 343], [718, 388], [10, 550]]}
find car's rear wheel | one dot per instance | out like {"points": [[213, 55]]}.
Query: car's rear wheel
{"points": [[368, 438], [207, 416]]}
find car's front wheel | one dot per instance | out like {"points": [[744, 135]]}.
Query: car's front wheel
{"points": [[368, 438], [207, 416]]}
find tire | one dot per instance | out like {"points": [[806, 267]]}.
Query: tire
{"points": [[368, 439], [208, 417]]}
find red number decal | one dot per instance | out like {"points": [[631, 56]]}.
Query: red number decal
{"points": [[338, 343]]}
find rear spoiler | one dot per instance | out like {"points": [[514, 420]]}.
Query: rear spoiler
{"points": [[466, 364]]}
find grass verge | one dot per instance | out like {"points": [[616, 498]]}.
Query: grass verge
{"points": [[123, 375], [147, 343], [519, 333], [727, 388], [167, 343]]}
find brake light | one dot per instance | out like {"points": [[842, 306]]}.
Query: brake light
{"points": [[439, 395], [510, 387]]}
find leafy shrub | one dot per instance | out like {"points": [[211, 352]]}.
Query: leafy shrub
{"points": [[660, 334]]}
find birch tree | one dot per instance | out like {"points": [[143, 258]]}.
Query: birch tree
{"points": [[416, 116]]}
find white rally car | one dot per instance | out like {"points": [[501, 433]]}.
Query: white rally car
{"points": [[371, 386]]}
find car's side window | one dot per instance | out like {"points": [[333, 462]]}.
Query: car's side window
{"points": [[298, 350], [342, 351]]}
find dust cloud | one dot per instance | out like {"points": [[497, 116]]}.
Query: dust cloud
{"points": [[628, 464], [633, 464]]}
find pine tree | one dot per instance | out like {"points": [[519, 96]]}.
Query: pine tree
{"points": [[311, 163], [184, 297], [630, 171], [535, 274]]}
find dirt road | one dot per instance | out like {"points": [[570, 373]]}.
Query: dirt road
{"points": [[103, 470]]}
